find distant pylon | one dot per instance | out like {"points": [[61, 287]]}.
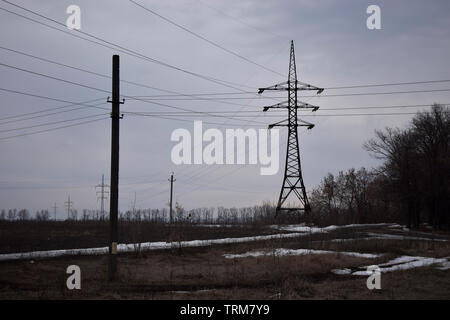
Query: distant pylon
{"points": [[171, 196], [68, 205], [293, 181], [102, 197], [54, 210]]}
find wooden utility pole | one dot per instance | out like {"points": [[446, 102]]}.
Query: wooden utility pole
{"points": [[114, 185], [171, 195]]}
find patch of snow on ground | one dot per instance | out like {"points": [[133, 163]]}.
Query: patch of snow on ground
{"points": [[161, 245], [217, 225], [400, 263], [306, 229], [297, 252], [385, 236]]}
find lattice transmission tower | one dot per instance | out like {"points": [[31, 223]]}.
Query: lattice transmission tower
{"points": [[293, 186]]}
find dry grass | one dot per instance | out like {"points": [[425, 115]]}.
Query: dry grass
{"points": [[204, 273]]}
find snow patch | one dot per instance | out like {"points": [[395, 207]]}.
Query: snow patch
{"points": [[306, 229], [297, 252], [385, 236], [161, 245], [400, 263]]}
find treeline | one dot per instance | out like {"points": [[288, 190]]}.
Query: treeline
{"points": [[258, 214], [412, 186]]}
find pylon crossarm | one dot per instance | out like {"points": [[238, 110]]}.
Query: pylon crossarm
{"points": [[306, 86], [278, 124], [285, 86], [309, 125], [279, 86], [280, 105], [305, 124], [304, 105]]}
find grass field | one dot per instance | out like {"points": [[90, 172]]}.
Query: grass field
{"points": [[206, 272]]}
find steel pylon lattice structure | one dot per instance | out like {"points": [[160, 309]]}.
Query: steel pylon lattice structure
{"points": [[293, 185]]}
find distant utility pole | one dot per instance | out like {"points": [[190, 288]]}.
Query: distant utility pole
{"points": [[114, 189], [293, 181], [54, 210], [68, 205], [171, 196], [101, 195]]}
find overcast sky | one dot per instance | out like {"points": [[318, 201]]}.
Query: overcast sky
{"points": [[333, 48]]}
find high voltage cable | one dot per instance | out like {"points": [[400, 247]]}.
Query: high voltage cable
{"points": [[39, 96], [185, 120], [282, 111], [386, 84], [179, 108], [52, 123], [117, 47], [316, 96], [71, 103], [306, 115], [53, 78], [205, 39], [194, 95], [326, 88], [175, 93], [101, 90], [48, 114], [376, 93], [52, 129], [141, 56], [242, 21]]}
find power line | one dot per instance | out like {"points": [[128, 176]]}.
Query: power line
{"points": [[41, 97], [185, 120], [49, 109], [315, 96], [87, 71], [195, 96], [116, 47], [242, 21], [376, 93], [310, 115], [51, 129], [124, 81], [51, 123], [173, 93], [176, 107], [93, 88], [184, 113], [205, 39], [326, 88], [53, 78], [386, 84], [47, 114]]}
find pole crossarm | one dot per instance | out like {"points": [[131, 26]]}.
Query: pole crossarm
{"points": [[301, 124], [285, 105], [287, 86]]}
